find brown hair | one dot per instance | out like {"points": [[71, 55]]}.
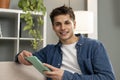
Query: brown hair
{"points": [[62, 10]]}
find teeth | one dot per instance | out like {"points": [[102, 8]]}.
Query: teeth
{"points": [[63, 33]]}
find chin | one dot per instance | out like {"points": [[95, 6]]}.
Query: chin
{"points": [[64, 38]]}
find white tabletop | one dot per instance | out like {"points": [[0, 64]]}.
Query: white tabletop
{"points": [[13, 71]]}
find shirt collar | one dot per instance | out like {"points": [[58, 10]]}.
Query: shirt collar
{"points": [[80, 42]]}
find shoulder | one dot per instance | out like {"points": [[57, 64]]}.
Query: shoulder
{"points": [[88, 41], [49, 46], [92, 42]]}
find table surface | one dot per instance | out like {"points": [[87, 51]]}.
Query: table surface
{"points": [[14, 71]]}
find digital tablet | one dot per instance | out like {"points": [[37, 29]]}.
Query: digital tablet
{"points": [[37, 64]]}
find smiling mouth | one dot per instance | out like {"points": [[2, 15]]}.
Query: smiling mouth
{"points": [[64, 33]]}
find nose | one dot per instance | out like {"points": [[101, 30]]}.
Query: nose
{"points": [[62, 26]]}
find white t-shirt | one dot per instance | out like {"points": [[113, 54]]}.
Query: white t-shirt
{"points": [[69, 61]]}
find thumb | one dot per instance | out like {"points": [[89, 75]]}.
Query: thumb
{"points": [[26, 53]]}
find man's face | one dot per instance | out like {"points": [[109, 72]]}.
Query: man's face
{"points": [[64, 26]]}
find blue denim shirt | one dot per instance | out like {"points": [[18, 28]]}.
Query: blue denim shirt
{"points": [[92, 59]]}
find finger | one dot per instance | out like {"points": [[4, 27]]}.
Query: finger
{"points": [[54, 77], [26, 53], [50, 73], [22, 55], [50, 66], [22, 60]]}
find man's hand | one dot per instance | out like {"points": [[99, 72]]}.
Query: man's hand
{"points": [[22, 55], [55, 73]]}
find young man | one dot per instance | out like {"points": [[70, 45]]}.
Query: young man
{"points": [[73, 57]]}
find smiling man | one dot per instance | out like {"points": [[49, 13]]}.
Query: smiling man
{"points": [[73, 57]]}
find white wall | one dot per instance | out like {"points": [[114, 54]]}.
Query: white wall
{"points": [[109, 30]]}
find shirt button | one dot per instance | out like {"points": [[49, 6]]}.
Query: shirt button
{"points": [[80, 44], [58, 64]]}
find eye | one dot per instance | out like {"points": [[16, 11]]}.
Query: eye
{"points": [[57, 24], [67, 22]]}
